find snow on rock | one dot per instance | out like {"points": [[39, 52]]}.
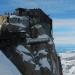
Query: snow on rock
{"points": [[46, 37], [21, 48], [17, 24], [11, 16], [7, 67], [50, 42], [29, 40], [26, 57], [44, 63], [29, 57], [37, 26], [21, 29], [23, 51], [35, 52], [43, 36], [37, 67], [18, 21], [68, 62], [0, 26], [43, 52]]}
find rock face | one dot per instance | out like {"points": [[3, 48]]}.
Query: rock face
{"points": [[26, 39]]}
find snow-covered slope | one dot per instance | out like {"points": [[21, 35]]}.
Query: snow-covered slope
{"points": [[6, 67], [68, 62]]}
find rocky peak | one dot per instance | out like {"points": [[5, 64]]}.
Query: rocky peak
{"points": [[32, 51]]}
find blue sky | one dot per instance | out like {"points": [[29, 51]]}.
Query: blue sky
{"points": [[61, 11]]}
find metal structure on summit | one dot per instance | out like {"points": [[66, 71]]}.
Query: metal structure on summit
{"points": [[27, 40]]}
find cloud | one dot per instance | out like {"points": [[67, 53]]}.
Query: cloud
{"points": [[67, 22], [64, 31], [64, 40], [68, 33], [64, 25]]}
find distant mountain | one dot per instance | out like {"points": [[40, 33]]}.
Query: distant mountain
{"points": [[68, 62]]}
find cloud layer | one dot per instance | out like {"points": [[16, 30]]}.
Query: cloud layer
{"points": [[64, 32]]}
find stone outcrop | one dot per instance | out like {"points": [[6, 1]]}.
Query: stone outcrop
{"points": [[30, 45]]}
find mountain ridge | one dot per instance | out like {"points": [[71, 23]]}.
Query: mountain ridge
{"points": [[68, 62]]}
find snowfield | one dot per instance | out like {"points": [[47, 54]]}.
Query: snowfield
{"points": [[68, 62], [6, 67]]}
